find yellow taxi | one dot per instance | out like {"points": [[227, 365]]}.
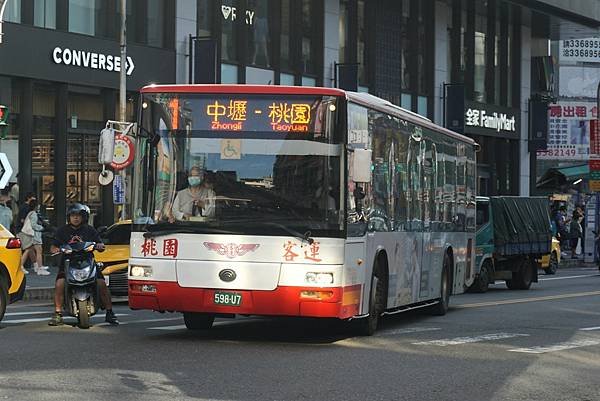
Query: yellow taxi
{"points": [[12, 279], [116, 256], [549, 262]]}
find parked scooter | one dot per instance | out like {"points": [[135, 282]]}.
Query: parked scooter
{"points": [[82, 298]]}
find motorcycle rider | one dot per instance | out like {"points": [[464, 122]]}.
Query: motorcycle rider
{"points": [[77, 230]]}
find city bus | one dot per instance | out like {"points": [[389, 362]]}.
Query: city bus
{"points": [[316, 202]]}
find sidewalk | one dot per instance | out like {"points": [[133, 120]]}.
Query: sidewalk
{"points": [[40, 287]]}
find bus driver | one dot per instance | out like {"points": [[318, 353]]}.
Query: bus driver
{"points": [[195, 201]]}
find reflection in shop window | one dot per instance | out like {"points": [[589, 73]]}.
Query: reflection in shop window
{"points": [[12, 12], [82, 16], [308, 81], [229, 28], [257, 24], [229, 74], [286, 79], [44, 13]]}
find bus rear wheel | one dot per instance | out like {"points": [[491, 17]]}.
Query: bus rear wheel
{"points": [[442, 306], [198, 321]]}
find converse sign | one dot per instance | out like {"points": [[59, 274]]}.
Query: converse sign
{"points": [[94, 61]]}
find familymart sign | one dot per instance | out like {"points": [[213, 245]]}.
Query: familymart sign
{"points": [[91, 60], [492, 120]]}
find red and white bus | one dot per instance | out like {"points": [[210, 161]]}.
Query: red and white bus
{"points": [[313, 202]]}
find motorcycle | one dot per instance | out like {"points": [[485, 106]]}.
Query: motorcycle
{"points": [[82, 298]]}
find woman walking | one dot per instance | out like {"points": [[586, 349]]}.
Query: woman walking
{"points": [[576, 233], [31, 240]]}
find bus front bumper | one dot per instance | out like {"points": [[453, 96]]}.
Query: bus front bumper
{"points": [[337, 302]]}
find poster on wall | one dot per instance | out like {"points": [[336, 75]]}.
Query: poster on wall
{"points": [[569, 131], [580, 50], [579, 82]]}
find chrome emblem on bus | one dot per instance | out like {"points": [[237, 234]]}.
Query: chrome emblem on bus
{"points": [[227, 275], [231, 250]]}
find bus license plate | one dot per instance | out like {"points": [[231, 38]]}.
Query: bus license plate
{"points": [[228, 298]]}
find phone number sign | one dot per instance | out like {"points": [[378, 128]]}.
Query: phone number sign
{"points": [[583, 50]]}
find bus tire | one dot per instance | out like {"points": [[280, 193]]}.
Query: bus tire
{"points": [[482, 280], [3, 296], [368, 325], [198, 321], [441, 307]]}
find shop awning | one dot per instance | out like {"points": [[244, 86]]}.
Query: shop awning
{"points": [[560, 176]]}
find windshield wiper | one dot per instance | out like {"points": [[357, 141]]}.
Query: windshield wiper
{"points": [[304, 237], [160, 229]]}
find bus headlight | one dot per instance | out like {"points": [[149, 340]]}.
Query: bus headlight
{"points": [[141, 271], [318, 278]]}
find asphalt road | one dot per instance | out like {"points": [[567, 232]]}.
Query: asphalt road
{"points": [[542, 344]]}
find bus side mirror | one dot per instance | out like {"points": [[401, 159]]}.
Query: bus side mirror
{"points": [[361, 166]]}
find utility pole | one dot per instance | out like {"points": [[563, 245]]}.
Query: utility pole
{"points": [[123, 90]]}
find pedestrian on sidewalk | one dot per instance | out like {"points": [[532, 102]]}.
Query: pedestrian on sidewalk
{"points": [[6, 216], [31, 240], [576, 233]]}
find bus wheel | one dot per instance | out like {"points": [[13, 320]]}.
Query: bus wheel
{"points": [[441, 307], [368, 325], [482, 280], [198, 321]]}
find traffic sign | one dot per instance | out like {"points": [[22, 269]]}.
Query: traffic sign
{"points": [[118, 190], [5, 170], [123, 155]]}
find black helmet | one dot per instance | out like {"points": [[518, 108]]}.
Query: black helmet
{"points": [[78, 208]]}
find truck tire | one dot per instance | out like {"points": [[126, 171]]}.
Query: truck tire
{"points": [[522, 279], [368, 325], [482, 280], [198, 321], [553, 264]]}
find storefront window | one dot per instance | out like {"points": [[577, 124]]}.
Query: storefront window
{"points": [[308, 28], [422, 106], [12, 12], [286, 79], [259, 76], [361, 43], [42, 157], [284, 49], [257, 19], [44, 13], [480, 37], [405, 59], [343, 30], [229, 28], [229, 74], [309, 81], [156, 23], [205, 10], [406, 101], [82, 16]]}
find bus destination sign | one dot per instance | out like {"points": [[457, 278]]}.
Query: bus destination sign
{"points": [[260, 115]]}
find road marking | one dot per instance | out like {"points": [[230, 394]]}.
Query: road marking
{"points": [[177, 327], [142, 321], [567, 277], [590, 328], [41, 319], [26, 313], [467, 340], [409, 330], [557, 347], [524, 300]]}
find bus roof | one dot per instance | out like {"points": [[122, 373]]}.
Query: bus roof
{"points": [[385, 106], [249, 89], [364, 99]]}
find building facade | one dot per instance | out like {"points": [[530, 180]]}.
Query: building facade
{"points": [[475, 66], [59, 80]]}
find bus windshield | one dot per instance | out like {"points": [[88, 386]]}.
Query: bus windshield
{"points": [[242, 164]]}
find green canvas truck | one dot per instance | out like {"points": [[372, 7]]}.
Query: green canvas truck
{"points": [[513, 233]]}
